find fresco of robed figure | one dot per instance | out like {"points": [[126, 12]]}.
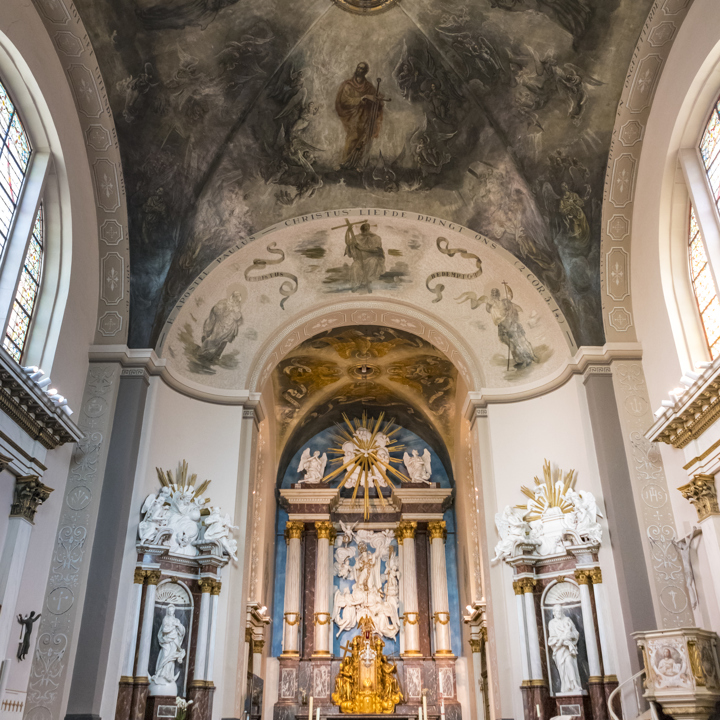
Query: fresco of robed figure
{"points": [[366, 251], [359, 106]]}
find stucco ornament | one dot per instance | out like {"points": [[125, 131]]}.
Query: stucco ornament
{"points": [[555, 517], [373, 592], [177, 517], [313, 466], [418, 466], [670, 664]]}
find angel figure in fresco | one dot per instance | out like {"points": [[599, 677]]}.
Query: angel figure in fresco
{"points": [[418, 466], [221, 327], [313, 465], [505, 315]]}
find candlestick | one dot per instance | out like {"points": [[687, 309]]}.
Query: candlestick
{"points": [[425, 704], [318, 714], [310, 708], [420, 717], [442, 709]]}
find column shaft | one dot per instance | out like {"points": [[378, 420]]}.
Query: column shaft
{"points": [[293, 534], [411, 615], [520, 605], [536, 671], [589, 625], [136, 600], [147, 627], [17, 540], [202, 635], [441, 603], [213, 631], [322, 588], [606, 649]]}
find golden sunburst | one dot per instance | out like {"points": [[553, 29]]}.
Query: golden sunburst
{"points": [[364, 454], [182, 482], [549, 492]]}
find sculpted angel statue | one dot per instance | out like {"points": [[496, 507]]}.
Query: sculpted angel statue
{"points": [[563, 639], [170, 636], [344, 553], [313, 465], [513, 531], [418, 466], [584, 521], [154, 514], [218, 529]]}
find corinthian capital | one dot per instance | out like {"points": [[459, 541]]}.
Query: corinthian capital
{"points": [[702, 493], [30, 493], [437, 529], [294, 530]]}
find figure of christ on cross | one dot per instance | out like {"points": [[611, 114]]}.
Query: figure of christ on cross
{"points": [[366, 251]]}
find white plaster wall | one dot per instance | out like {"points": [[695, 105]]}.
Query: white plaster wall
{"points": [[177, 428], [554, 427]]}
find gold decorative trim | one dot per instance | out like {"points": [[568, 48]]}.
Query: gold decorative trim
{"points": [[216, 588], [324, 529], [248, 635], [321, 654], [139, 576], [407, 620], [595, 680], [475, 645], [153, 577], [538, 683], [694, 419], [696, 663], [289, 654], [595, 576], [257, 646], [444, 653], [527, 584], [437, 529], [582, 577], [141, 681], [702, 493], [610, 679], [411, 653], [294, 530], [292, 618], [438, 617], [126, 680], [398, 535], [517, 587], [206, 585], [700, 458], [322, 618], [29, 494], [407, 529]]}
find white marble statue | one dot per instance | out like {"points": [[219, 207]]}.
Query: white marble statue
{"points": [[360, 445], [513, 531], [217, 529], [372, 593], [418, 466], [563, 639], [154, 513], [170, 637], [684, 548], [313, 466], [583, 518]]}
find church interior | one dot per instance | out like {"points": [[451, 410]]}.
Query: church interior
{"points": [[359, 357]]}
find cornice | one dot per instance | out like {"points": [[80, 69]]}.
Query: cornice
{"points": [[30, 408], [588, 360], [693, 413]]}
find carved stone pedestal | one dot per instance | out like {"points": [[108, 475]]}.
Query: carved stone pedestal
{"points": [[123, 705], [141, 688], [160, 707], [682, 671], [598, 699], [574, 705], [201, 696]]}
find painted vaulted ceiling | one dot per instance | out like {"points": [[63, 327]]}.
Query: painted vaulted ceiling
{"points": [[499, 117]]}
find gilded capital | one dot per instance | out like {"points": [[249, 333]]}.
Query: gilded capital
{"points": [[475, 645], [595, 575], [139, 577], [407, 529], [206, 585], [30, 493], [483, 633], [257, 646], [398, 535], [437, 529], [216, 588], [324, 529], [294, 530], [701, 492], [582, 577], [517, 587], [248, 635], [153, 577], [528, 584]]}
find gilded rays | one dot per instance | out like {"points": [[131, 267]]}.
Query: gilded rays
{"points": [[548, 493]]}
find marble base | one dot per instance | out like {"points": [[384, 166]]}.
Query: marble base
{"points": [[201, 696], [161, 707], [139, 700], [124, 700], [598, 703]]}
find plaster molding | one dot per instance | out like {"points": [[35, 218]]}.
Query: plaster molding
{"points": [[648, 60], [77, 57]]}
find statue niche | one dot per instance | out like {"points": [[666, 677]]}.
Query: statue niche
{"points": [[367, 681]]}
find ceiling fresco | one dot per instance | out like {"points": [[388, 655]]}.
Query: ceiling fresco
{"points": [[376, 368], [244, 301], [233, 115]]}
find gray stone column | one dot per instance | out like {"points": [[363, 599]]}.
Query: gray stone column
{"points": [[637, 501], [57, 642], [91, 661]]}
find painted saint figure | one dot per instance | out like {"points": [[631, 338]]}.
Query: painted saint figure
{"points": [[360, 108], [366, 251], [563, 639], [504, 313], [221, 327]]}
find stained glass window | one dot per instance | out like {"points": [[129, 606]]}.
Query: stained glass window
{"points": [[704, 287], [14, 159], [27, 292]]}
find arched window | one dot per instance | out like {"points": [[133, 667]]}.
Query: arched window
{"points": [[22, 227]]}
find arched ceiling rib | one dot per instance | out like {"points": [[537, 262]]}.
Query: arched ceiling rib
{"points": [[500, 118]]}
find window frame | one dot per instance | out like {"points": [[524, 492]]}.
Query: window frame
{"points": [[21, 228]]}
